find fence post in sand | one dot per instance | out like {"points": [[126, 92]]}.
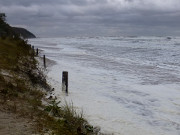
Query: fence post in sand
{"points": [[44, 59], [30, 47], [37, 51], [33, 50], [65, 81]]}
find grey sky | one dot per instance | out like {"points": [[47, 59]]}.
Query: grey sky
{"points": [[94, 17]]}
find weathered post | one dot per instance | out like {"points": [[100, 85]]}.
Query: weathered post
{"points": [[44, 59], [30, 48], [37, 51], [33, 50], [65, 81]]}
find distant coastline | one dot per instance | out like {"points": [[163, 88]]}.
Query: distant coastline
{"points": [[23, 32], [8, 31]]}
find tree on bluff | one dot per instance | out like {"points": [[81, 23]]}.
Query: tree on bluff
{"points": [[5, 29], [3, 17]]}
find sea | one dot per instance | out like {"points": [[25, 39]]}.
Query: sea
{"points": [[126, 85]]}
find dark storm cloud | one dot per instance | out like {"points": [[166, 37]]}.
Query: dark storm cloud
{"points": [[95, 17]]}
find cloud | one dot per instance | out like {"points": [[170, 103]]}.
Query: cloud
{"points": [[95, 17]]}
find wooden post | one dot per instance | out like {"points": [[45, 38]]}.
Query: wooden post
{"points": [[44, 59], [65, 81], [37, 51], [30, 48], [33, 50]]}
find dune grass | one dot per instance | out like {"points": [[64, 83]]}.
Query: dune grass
{"points": [[23, 88]]}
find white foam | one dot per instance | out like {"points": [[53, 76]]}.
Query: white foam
{"points": [[126, 86]]}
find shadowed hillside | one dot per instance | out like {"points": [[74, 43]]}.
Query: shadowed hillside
{"points": [[23, 32]]}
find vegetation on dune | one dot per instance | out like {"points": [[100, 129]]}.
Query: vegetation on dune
{"points": [[23, 88]]}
